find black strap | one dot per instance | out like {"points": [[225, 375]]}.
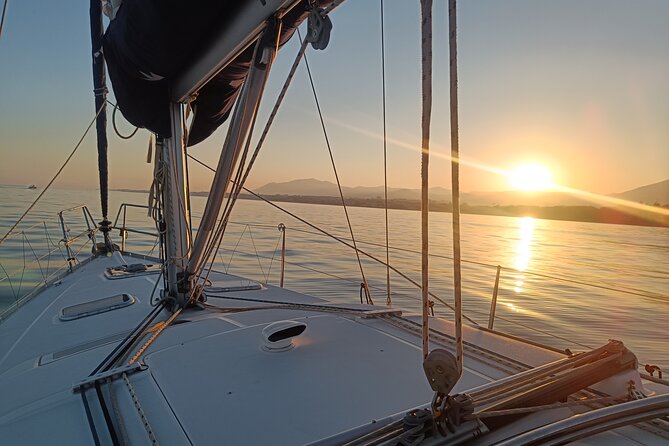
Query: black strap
{"points": [[105, 412], [89, 417]]}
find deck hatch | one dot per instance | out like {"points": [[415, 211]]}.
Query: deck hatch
{"points": [[132, 270], [96, 307], [230, 285]]}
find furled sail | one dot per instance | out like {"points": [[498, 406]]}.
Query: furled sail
{"points": [[149, 44]]}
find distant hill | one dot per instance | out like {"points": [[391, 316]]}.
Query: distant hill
{"points": [[548, 205], [317, 188], [311, 187], [650, 194]]}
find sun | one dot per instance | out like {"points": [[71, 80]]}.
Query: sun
{"points": [[530, 177]]}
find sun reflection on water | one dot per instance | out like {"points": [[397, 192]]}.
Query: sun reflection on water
{"points": [[521, 261], [523, 251]]}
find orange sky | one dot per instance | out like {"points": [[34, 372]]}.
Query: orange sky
{"points": [[582, 87]]}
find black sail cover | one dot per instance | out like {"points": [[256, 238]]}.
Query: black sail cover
{"points": [[150, 42]]}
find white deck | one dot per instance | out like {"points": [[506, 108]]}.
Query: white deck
{"points": [[208, 380]]}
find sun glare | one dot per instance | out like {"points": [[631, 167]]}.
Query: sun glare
{"points": [[530, 177]]}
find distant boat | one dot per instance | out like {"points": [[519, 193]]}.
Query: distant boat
{"points": [[32, 186]]}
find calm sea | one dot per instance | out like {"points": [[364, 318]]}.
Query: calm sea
{"points": [[566, 284]]}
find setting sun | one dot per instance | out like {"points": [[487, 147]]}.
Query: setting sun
{"points": [[530, 177]]}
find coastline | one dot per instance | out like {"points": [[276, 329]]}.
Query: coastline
{"points": [[584, 214]]}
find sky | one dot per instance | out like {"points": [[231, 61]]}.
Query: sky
{"points": [[581, 87]]}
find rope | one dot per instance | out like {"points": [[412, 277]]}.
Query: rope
{"points": [[455, 178], [532, 409], [76, 147], [426, 87], [116, 129], [368, 295], [154, 336], [385, 153]]}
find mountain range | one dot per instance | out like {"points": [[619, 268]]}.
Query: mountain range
{"points": [[657, 193]]}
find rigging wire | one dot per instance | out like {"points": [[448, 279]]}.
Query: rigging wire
{"points": [[184, 128], [214, 243], [76, 147], [317, 271], [385, 153], [2, 19], [411, 296], [340, 240], [227, 267], [275, 109], [619, 289], [262, 270], [240, 183], [368, 295], [271, 262]]}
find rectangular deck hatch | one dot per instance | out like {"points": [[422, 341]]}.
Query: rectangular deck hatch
{"points": [[229, 285], [96, 307]]}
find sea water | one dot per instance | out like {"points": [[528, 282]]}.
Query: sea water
{"points": [[566, 284]]}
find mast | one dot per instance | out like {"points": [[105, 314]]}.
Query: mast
{"points": [[100, 91], [256, 23], [177, 212]]}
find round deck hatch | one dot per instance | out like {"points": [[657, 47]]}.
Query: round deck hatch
{"points": [[278, 336]]}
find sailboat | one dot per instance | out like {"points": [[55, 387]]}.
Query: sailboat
{"points": [[129, 349]]}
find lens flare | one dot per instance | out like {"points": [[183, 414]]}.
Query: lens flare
{"points": [[530, 177]]}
